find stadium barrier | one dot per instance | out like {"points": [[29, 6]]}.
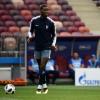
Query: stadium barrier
{"points": [[13, 63], [87, 77]]}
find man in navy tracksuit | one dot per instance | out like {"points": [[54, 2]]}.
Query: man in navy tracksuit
{"points": [[45, 39]]}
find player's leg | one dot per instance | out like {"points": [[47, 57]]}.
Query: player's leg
{"points": [[37, 56], [43, 74], [44, 59]]}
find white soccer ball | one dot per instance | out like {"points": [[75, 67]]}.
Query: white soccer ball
{"points": [[9, 89]]}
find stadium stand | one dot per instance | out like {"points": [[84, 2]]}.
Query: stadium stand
{"points": [[88, 13], [18, 13]]}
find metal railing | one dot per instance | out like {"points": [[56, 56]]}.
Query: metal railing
{"points": [[14, 46]]}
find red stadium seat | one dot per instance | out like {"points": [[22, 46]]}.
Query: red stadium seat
{"points": [[61, 2], [75, 18], [28, 18], [39, 2], [33, 7], [1, 23], [3, 29], [67, 23], [66, 7], [35, 12], [28, 2], [6, 17], [69, 7], [56, 18], [59, 30], [63, 18], [2, 6], [25, 12], [9, 6], [22, 7], [14, 12], [18, 17], [6, 34], [3, 12], [83, 29], [64, 34], [14, 29], [79, 23], [57, 13], [10, 23], [21, 23], [5, 1], [70, 13], [72, 29]]}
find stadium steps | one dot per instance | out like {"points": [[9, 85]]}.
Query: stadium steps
{"points": [[59, 81], [67, 81], [88, 12]]}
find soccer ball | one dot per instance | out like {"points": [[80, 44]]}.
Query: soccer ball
{"points": [[9, 89]]}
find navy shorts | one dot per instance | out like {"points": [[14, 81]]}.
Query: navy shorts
{"points": [[42, 54]]}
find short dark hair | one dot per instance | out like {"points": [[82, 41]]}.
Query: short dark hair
{"points": [[42, 6], [75, 51]]}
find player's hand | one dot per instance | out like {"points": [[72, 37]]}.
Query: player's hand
{"points": [[29, 40], [54, 48]]}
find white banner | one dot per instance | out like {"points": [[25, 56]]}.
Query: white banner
{"points": [[87, 76]]}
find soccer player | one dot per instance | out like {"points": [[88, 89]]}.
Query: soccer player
{"points": [[45, 39]]}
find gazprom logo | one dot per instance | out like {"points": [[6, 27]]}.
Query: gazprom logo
{"points": [[82, 79], [88, 82]]}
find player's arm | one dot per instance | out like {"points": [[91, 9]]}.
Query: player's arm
{"points": [[82, 64], [71, 65], [30, 65], [54, 37], [31, 30]]}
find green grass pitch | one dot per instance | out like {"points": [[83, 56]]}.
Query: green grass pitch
{"points": [[56, 92]]}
